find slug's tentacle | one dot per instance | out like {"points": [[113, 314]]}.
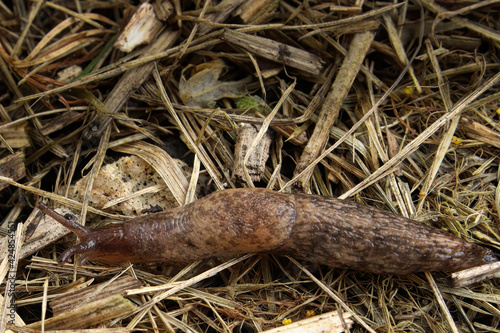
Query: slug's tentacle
{"points": [[105, 244], [76, 228], [320, 229]]}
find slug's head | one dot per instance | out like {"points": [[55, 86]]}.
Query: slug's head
{"points": [[107, 245]]}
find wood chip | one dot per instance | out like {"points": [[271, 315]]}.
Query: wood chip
{"points": [[256, 163], [141, 29]]}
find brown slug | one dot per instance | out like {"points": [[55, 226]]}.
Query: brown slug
{"points": [[323, 230]]}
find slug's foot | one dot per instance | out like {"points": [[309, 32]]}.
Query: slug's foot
{"points": [[67, 255]]}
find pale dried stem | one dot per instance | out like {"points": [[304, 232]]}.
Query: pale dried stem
{"points": [[331, 106]]}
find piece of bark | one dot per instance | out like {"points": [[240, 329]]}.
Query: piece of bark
{"points": [[276, 51], [331, 107], [79, 298], [129, 82], [256, 163], [12, 166], [141, 29]]}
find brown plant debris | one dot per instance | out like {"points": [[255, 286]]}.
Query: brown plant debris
{"points": [[141, 29], [89, 314], [394, 104], [73, 300], [255, 164], [12, 166]]}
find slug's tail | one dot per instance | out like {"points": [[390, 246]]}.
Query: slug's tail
{"points": [[489, 257], [346, 234], [78, 229]]}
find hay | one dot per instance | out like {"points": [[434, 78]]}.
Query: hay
{"points": [[395, 105]]}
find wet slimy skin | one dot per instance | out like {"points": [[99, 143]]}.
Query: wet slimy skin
{"points": [[323, 230]]}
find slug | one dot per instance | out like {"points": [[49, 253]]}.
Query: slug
{"points": [[319, 229]]}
